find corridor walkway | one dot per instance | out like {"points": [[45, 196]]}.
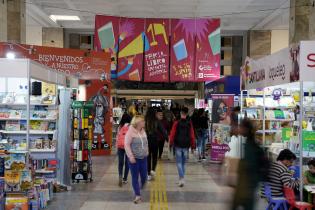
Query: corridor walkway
{"points": [[201, 192]]}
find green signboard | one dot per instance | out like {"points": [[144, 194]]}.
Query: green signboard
{"points": [[286, 134], [308, 141]]}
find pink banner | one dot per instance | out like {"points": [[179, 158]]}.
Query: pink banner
{"points": [[131, 48], [208, 49], [107, 38], [183, 50], [156, 63]]}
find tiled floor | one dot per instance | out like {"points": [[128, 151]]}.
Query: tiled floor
{"points": [[202, 191]]}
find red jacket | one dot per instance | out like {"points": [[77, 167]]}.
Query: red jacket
{"points": [[192, 135]]}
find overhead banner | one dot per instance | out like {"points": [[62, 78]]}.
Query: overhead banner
{"points": [[107, 38], [306, 60], [208, 50], [131, 49], [84, 64], [156, 59], [182, 50], [253, 74]]}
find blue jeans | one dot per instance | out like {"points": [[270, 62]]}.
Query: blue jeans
{"points": [[123, 162], [181, 156], [201, 141], [138, 169]]}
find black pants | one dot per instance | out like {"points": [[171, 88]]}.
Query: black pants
{"points": [[123, 161], [153, 156], [161, 147]]}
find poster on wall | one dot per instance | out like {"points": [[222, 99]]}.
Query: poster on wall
{"points": [[131, 49], [156, 59], [220, 132], [208, 49], [107, 38], [84, 64], [182, 50]]}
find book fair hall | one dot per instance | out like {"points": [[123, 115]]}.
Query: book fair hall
{"points": [[157, 105]]}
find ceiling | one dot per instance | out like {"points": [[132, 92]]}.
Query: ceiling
{"points": [[235, 14]]}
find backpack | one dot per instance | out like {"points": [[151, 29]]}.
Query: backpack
{"points": [[182, 136]]}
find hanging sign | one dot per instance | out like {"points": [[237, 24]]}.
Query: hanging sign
{"points": [[131, 48], [307, 60], [182, 50], [208, 50], [107, 38], [82, 63], [156, 59]]}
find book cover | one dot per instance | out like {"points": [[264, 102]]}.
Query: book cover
{"points": [[18, 161], [48, 89], [26, 180], [79, 156], [12, 125], [39, 144], [12, 180], [14, 202], [46, 144], [250, 102]]}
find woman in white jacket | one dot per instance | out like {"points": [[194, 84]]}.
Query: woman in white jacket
{"points": [[136, 147]]}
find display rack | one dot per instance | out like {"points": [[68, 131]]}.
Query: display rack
{"points": [[288, 73], [29, 110], [82, 123]]}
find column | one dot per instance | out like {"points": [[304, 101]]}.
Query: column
{"points": [[258, 43], [16, 21], [53, 37], [3, 21], [302, 17]]}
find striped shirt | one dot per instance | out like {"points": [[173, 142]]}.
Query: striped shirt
{"points": [[280, 176]]}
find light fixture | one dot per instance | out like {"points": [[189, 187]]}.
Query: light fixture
{"points": [[56, 18], [10, 55]]}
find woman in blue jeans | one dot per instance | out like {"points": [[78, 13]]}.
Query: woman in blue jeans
{"points": [[202, 133], [136, 147]]}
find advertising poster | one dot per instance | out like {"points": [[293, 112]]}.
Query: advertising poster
{"points": [[107, 38], [131, 49], [156, 59], [208, 50], [220, 135], [182, 50], [84, 64]]}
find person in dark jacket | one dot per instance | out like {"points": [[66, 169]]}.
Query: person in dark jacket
{"points": [[182, 137], [154, 129], [249, 170]]}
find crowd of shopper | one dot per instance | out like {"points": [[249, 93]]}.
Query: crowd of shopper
{"points": [[141, 140]]}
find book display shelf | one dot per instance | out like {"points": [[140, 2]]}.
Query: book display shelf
{"points": [[29, 122]]}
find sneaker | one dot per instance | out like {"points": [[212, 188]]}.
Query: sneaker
{"points": [[149, 178], [125, 181], [181, 183], [153, 173], [137, 200], [204, 158]]}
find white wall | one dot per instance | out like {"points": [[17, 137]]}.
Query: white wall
{"points": [[279, 40], [34, 35]]}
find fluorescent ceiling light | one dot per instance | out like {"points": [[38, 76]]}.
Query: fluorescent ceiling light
{"points": [[56, 18]]}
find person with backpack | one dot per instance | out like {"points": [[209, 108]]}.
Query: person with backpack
{"points": [[120, 145], [253, 168], [182, 137]]}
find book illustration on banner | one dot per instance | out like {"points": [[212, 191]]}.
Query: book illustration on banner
{"points": [[215, 41], [180, 50], [106, 36]]}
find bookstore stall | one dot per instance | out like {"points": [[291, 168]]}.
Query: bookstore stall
{"points": [[278, 95], [35, 122]]}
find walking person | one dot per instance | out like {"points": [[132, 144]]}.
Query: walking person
{"points": [[136, 146], [182, 137], [253, 168], [202, 133], [154, 129], [163, 133], [122, 157]]}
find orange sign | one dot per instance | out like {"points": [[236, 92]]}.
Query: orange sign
{"points": [[85, 64]]}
